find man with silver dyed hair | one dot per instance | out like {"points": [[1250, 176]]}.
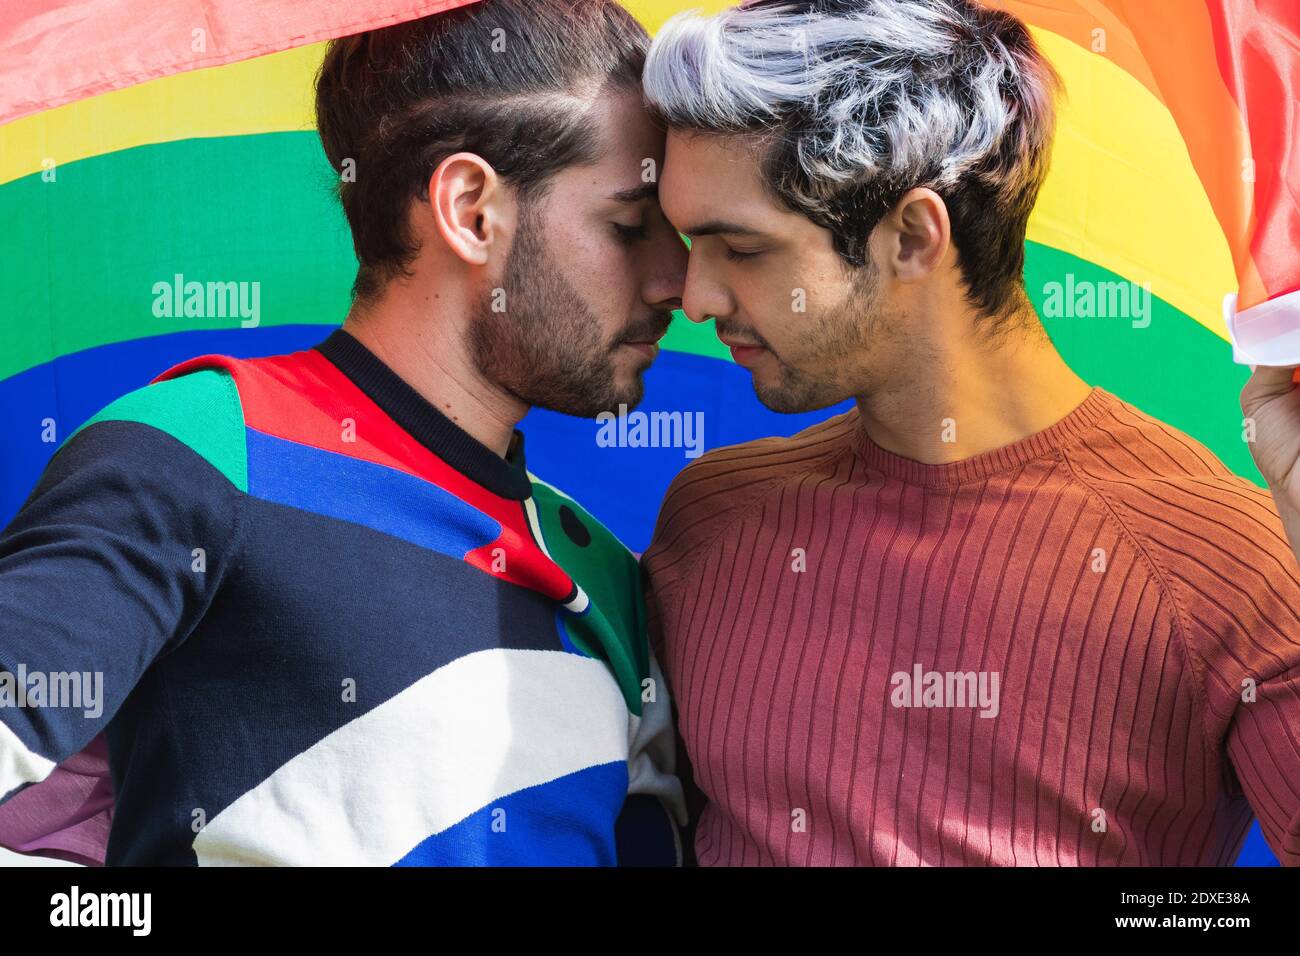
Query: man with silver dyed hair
{"points": [[991, 615]]}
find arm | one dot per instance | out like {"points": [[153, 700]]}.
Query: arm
{"points": [[98, 576], [687, 517], [1272, 402], [1264, 747], [691, 797], [1235, 591]]}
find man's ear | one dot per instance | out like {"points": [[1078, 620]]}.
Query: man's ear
{"points": [[913, 237], [468, 200]]}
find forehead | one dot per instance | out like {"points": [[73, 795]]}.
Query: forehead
{"points": [[625, 132], [625, 138], [708, 176]]}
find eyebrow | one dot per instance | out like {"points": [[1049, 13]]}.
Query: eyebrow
{"points": [[714, 226], [637, 193]]}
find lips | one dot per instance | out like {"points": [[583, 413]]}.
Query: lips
{"points": [[743, 353], [729, 343], [649, 348]]}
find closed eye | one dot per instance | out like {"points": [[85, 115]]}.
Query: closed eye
{"points": [[629, 234]]}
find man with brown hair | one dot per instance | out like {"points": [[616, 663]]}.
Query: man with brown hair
{"points": [[336, 618]]}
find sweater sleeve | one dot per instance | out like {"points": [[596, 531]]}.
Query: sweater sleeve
{"points": [[112, 561], [1235, 589], [1264, 746]]}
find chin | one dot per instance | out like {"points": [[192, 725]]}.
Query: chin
{"points": [[795, 398], [629, 394], [627, 383], [623, 397]]}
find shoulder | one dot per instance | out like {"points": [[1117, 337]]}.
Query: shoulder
{"points": [[1213, 538], [605, 571], [165, 463], [1167, 481], [200, 409], [729, 476], [1126, 442]]}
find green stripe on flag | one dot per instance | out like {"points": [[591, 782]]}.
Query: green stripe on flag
{"points": [[80, 257]]}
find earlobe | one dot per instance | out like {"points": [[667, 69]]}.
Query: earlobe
{"points": [[464, 193]]}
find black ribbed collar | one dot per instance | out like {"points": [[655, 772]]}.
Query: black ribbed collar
{"points": [[412, 411]]}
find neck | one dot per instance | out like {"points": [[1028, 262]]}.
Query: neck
{"points": [[969, 397], [430, 352]]}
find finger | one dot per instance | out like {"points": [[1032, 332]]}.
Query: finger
{"points": [[1267, 382], [1274, 377]]}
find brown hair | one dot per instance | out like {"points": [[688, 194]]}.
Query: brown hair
{"points": [[507, 80]]}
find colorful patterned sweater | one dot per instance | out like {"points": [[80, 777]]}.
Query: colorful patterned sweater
{"points": [[332, 628]]}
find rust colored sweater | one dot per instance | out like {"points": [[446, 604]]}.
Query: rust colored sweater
{"points": [[1079, 649]]}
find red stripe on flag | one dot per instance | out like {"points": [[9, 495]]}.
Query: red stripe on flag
{"points": [[60, 51]]}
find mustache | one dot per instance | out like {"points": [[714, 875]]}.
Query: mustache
{"points": [[652, 327]]}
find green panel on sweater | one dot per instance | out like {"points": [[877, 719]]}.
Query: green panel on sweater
{"points": [[201, 410], [613, 628]]}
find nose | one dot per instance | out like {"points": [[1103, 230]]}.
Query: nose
{"points": [[703, 297], [666, 275]]}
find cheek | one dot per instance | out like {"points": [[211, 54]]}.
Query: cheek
{"points": [[790, 304], [772, 299], [602, 276], [606, 272]]}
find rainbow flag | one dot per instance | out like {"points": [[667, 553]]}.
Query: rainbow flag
{"points": [[147, 146]]}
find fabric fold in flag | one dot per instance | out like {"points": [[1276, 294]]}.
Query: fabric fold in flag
{"points": [[60, 51]]}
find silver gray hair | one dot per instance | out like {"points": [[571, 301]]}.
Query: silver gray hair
{"points": [[858, 101]]}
